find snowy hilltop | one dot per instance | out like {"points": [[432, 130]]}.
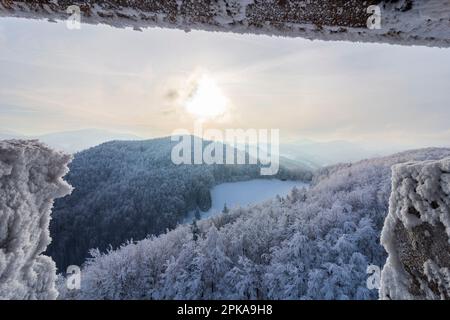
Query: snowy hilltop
{"points": [[316, 243], [30, 179]]}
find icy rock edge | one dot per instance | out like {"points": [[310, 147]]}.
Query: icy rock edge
{"points": [[416, 233], [30, 179], [403, 22]]}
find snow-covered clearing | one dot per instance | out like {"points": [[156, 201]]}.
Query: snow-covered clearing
{"points": [[245, 193]]}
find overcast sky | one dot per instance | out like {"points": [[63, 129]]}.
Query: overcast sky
{"points": [[55, 79]]}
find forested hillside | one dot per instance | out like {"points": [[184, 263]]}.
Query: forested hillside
{"points": [[129, 190], [314, 244]]}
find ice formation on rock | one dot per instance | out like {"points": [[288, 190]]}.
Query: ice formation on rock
{"points": [[30, 179], [406, 22], [416, 234]]}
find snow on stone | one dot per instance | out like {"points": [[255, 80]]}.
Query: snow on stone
{"points": [[405, 22], [417, 232], [30, 179]]}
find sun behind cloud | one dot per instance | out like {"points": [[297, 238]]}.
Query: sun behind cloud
{"points": [[206, 101]]}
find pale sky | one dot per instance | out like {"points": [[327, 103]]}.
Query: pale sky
{"points": [[54, 79]]}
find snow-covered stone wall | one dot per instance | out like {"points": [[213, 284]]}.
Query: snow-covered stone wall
{"points": [[406, 22], [30, 179], [416, 233]]}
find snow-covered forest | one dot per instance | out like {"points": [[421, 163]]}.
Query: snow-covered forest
{"points": [[129, 190], [313, 244]]}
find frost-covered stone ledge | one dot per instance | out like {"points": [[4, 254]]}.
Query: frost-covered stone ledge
{"points": [[416, 234], [405, 22], [30, 179]]}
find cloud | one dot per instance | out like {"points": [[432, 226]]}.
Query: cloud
{"points": [[168, 111], [172, 95]]}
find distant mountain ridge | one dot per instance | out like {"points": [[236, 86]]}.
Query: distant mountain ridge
{"points": [[304, 152], [330, 152], [73, 141]]}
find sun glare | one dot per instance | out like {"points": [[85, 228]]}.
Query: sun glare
{"points": [[207, 101]]}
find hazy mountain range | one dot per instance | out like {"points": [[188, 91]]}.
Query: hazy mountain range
{"points": [[310, 153], [73, 141], [331, 152]]}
